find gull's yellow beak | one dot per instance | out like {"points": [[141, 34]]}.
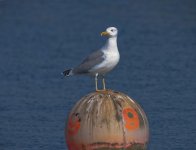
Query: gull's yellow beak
{"points": [[105, 33]]}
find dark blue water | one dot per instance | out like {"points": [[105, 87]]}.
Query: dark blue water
{"points": [[39, 38]]}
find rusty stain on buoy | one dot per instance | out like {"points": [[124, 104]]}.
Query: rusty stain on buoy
{"points": [[107, 120]]}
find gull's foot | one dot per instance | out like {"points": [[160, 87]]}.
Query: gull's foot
{"points": [[97, 90]]}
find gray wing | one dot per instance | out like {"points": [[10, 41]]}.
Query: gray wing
{"points": [[89, 62]]}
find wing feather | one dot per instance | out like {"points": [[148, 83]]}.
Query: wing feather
{"points": [[89, 62]]}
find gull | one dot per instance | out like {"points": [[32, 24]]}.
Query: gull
{"points": [[100, 62]]}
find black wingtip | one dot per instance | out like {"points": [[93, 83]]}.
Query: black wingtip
{"points": [[66, 73]]}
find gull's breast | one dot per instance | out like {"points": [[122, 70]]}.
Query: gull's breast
{"points": [[111, 59]]}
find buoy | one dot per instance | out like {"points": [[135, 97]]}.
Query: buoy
{"points": [[107, 120]]}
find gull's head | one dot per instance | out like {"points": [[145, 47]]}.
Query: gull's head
{"points": [[110, 32]]}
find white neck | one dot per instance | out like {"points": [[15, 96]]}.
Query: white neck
{"points": [[111, 43]]}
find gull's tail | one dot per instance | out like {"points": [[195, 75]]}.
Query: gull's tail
{"points": [[68, 72]]}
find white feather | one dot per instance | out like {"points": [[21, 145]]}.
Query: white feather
{"points": [[111, 57]]}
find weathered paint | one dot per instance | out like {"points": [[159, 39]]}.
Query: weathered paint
{"points": [[73, 125], [107, 120], [131, 119]]}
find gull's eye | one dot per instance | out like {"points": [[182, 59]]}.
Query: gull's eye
{"points": [[112, 30]]}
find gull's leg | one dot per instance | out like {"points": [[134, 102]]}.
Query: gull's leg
{"points": [[103, 82], [96, 78]]}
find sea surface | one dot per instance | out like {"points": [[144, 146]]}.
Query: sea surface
{"points": [[40, 38]]}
